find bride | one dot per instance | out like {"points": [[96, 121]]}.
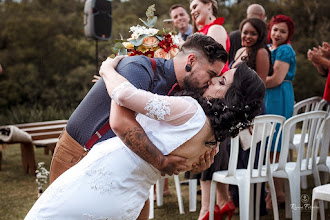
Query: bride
{"points": [[112, 182]]}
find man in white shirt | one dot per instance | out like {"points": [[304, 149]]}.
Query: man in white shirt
{"points": [[181, 20]]}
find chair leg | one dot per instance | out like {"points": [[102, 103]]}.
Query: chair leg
{"points": [[317, 181], [151, 199], [192, 194], [251, 202], [244, 201], [212, 199], [257, 199], [324, 176], [294, 182], [159, 191], [288, 213], [273, 196], [178, 193], [304, 184], [314, 209]]}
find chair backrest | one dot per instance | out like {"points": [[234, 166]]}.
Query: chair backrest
{"points": [[310, 125], [323, 141], [323, 106], [306, 105], [264, 127]]}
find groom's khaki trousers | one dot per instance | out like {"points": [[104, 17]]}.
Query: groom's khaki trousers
{"points": [[69, 152]]}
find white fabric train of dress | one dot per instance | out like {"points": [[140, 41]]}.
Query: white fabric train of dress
{"points": [[112, 182]]}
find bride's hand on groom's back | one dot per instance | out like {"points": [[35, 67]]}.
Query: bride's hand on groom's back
{"points": [[110, 63]]}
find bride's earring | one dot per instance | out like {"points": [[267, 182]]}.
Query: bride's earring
{"points": [[188, 67]]}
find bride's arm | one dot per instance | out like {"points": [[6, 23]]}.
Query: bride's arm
{"points": [[124, 124]]}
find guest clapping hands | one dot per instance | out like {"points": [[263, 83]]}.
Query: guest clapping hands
{"points": [[320, 59]]}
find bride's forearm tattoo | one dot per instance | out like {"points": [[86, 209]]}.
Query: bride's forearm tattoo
{"points": [[137, 140]]}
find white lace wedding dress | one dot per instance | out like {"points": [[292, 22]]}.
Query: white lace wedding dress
{"points": [[112, 182]]}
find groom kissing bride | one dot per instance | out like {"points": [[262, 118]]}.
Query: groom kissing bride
{"points": [[156, 134]]}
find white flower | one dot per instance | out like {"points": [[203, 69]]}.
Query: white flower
{"points": [[139, 30], [41, 175], [176, 39]]}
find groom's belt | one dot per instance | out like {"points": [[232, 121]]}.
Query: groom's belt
{"points": [[105, 128]]}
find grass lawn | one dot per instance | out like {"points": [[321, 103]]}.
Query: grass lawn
{"points": [[18, 191]]}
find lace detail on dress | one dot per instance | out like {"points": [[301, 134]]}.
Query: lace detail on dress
{"points": [[157, 108], [114, 95], [100, 180]]}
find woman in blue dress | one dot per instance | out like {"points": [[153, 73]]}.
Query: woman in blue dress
{"points": [[279, 99]]}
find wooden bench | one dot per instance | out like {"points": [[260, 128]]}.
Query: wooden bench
{"points": [[44, 134]]}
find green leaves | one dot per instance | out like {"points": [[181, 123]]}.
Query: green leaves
{"points": [[151, 18], [138, 41], [150, 13], [119, 49], [150, 23]]}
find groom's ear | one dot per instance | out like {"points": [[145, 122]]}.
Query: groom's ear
{"points": [[191, 59]]}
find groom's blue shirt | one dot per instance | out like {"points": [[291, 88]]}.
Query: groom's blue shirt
{"points": [[94, 110]]}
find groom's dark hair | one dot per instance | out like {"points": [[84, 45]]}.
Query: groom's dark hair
{"points": [[206, 46]]}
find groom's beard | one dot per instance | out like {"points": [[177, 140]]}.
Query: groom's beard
{"points": [[191, 84]]}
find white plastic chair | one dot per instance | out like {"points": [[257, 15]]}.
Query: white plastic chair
{"points": [[306, 105], [245, 178], [322, 149], [303, 166], [323, 106], [192, 195], [159, 195], [319, 193]]}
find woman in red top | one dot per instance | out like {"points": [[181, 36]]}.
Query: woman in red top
{"points": [[204, 17]]}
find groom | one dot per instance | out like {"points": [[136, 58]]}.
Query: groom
{"points": [[199, 59]]}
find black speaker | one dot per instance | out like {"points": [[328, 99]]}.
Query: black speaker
{"points": [[98, 19]]}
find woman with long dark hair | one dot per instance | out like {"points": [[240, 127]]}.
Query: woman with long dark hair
{"points": [[254, 49]]}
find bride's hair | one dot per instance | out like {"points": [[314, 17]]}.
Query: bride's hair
{"points": [[242, 103]]}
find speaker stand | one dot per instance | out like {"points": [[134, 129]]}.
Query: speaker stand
{"points": [[97, 56]]}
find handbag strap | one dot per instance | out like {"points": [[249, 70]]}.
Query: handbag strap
{"points": [[106, 127]]}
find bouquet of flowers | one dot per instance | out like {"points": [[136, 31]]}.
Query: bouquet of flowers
{"points": [[147, 40]]}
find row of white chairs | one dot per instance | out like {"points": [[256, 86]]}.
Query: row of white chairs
{"points": [[313, 125]]}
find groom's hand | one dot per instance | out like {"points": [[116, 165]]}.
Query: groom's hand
{"points": [[173, 165], [205, 161]]}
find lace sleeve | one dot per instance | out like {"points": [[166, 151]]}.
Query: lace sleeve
{"points": [[174, 110]]}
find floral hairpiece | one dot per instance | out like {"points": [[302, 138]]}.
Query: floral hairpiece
{"points": [[240, 126], [147, 40], [226, 107]]}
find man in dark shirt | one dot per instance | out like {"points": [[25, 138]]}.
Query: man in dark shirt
{"points": [[199, 59]]}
